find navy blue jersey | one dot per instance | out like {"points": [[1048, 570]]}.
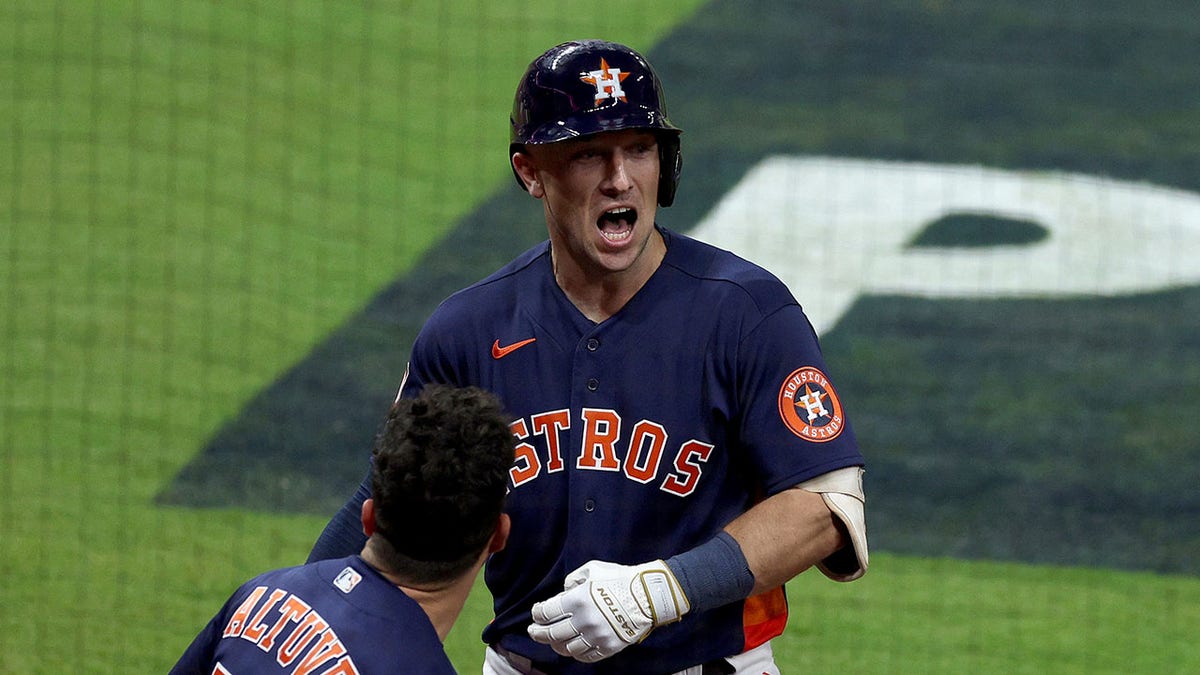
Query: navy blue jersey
{"points": [[333, 617], [642, 436]]}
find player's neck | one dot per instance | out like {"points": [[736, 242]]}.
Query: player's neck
{"points": [[442, 605], [442, 601], [599, 294]]}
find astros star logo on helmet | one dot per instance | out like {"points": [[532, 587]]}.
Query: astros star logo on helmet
{"points": [[607, 81]]}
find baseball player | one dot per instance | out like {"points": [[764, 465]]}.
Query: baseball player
{"points": [[681, 449], [439, 474]]}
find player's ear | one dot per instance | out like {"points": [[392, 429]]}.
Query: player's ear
{"points": [[368, 517], [526, 170], [500, 536]]}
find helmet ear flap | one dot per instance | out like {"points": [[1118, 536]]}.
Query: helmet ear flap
{"points": [[670, 163]]}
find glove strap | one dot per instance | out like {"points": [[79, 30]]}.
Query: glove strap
{"points": [[668, 602]]}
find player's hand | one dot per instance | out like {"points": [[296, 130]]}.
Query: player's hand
{"points": [[606, 607]]}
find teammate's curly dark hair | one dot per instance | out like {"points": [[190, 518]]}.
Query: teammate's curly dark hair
{"points": [[440, 472]]}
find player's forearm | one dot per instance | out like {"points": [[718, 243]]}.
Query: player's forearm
{"points": [[785, 535]]}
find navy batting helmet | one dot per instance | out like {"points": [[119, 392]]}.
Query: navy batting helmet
{"points": [[590, 86]]}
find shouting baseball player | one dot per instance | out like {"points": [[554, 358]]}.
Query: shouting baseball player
{"points": [[439, 474], [682, 451]]}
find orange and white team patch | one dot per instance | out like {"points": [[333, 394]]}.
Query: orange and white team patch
{"points": [[810, 407]]}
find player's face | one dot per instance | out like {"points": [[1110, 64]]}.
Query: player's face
{"points": [[600, 194]]}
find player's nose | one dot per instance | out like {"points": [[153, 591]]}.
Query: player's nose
{"points": [[617, 178]]}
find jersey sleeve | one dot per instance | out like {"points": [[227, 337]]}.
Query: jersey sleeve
{"points": [[795, 425], [439, 352]]}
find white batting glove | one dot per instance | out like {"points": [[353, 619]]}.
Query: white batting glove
{"points": [[606, 607]]}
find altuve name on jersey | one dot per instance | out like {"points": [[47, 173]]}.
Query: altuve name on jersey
{"points": [[299, 636]]}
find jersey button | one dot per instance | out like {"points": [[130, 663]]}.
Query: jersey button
{"points": [[589, 505], [593, 384], [593, 344]]}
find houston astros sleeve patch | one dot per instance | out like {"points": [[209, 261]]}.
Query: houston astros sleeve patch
{"points": [[810, 407]]}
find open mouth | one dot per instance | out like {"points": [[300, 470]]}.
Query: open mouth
{"points": [[616, 224]]}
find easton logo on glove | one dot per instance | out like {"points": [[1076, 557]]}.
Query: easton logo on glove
{"points": [[615, 616]]}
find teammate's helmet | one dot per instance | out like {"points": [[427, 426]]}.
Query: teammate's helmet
{"points": [[590, 86]]}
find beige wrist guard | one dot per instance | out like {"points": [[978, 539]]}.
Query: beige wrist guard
{"points": [[843, 493]]}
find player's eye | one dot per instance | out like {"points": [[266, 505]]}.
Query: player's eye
{"points": [[643, 147]]}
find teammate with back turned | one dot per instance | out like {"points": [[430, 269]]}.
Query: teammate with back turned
{"points": [[439, 474], [681, 450]]}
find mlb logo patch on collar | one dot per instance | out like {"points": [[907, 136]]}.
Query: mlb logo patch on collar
{"points": [[347, 580]]}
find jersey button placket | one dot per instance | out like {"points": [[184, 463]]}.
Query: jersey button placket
{"points": [[592, 345]]}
